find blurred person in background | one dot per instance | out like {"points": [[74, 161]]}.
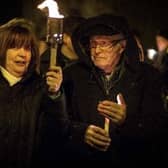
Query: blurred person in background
{"points": [[161, 60]]}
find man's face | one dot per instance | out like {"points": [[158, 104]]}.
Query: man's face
{"points": [[106, 51]]}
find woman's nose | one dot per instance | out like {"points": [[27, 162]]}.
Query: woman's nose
{"points": [[22, 52]]}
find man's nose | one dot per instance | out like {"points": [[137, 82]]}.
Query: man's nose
{"points": [[98, 48]]}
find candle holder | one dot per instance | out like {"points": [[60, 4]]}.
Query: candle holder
{"points": [[54, 31]]}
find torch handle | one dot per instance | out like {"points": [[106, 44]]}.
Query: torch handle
{"points": [[53, 56]]}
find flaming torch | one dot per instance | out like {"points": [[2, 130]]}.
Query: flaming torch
{"points": [[54, 27]]}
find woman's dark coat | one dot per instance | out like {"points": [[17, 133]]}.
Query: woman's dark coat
{"points": [[27, 115]]}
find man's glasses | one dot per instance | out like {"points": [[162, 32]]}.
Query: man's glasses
{"points": [[104, 44]]}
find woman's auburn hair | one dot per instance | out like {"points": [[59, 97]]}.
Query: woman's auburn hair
{"points": [[18, 33]]}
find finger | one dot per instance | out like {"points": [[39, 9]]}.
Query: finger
{"points": [[55, 68], [54, 84], [100, 148], [99, 142], [104, 148], [100, 145], [101, 138], [54, 79], [99, 131], [111, 111], [110, 108], [51, 79], [54, 74], [109, 103], [117, 116], [91, 138]]}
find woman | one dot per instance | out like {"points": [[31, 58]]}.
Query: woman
{"points": [[28, 101]]}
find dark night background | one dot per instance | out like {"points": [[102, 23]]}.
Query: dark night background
{"points": [[146, 16]]}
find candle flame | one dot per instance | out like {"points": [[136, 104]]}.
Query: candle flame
{"points": [[52, 6], [118, 99]]}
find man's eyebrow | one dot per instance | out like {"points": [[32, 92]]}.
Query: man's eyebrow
{"points": [[117, 41]]}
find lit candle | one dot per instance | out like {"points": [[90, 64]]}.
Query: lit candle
{"points": [[107, 120], [107, 124]]}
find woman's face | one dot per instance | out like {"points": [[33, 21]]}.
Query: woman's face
{"points": [[17, 61]]}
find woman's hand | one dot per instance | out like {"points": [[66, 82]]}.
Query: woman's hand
{"points": [[54, 79]]}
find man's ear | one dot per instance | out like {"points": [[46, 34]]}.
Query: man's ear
{"points": [[123, 45]]}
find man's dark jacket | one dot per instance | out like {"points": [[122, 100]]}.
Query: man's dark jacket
{"points": [[139, 138]]}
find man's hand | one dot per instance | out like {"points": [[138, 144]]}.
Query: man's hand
{"points": [[97, 138], [115, 111]]}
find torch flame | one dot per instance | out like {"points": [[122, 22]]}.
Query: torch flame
{"points": [[52, 8]]}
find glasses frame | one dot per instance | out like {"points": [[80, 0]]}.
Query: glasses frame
{"points": [[106, 45]]}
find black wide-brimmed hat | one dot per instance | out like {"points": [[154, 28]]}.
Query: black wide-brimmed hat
{"points": [[104, 24]]}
